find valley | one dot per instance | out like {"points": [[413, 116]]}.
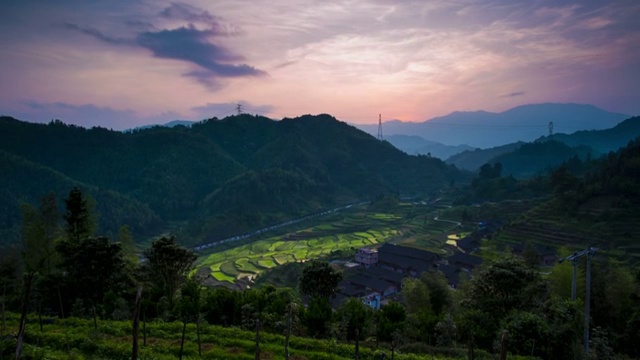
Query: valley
{"points": [[243, 228]]}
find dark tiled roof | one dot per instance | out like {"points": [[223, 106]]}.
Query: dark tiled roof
{"points": [[379, 285], [388, 275], [451, 273], [352, 290], [408, 252], [358, 279], [403, 262], [465, 259], [469, 242]]}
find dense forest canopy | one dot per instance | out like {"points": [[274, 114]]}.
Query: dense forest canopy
{"points": [[251, 169]]}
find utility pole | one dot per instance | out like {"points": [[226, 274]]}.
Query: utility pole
{"points": [[239, 109], [550, 128], [587, 301], [380, 127]]}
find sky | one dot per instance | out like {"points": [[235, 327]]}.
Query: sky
{"points": [[125, 63]]}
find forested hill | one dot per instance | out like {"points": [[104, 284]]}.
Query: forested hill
{"points": [[217, 178]]}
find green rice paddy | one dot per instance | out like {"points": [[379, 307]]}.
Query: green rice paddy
{"points": [[407, 224]]}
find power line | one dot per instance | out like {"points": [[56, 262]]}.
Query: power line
{"points": [[587, 302]]}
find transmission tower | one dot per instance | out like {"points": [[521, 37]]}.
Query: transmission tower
{"points": [[380, 127], [239, 109], [550, 128]]}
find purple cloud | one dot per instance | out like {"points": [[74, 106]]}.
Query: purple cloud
{"points": [[513, 94], [192, 45], [181, 11], [185, 43], [97, 34]]}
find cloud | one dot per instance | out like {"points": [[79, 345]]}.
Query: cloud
{"points": [[97, 34], [192, 45], [181, 11], [187, 43], [513, 94]]}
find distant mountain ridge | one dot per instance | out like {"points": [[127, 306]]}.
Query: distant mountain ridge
{"points": [[170, 124], [593, 143], [484, 129], [416, 145]]}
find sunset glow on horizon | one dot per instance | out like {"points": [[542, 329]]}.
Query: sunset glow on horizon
{"points": [[121, 64]]}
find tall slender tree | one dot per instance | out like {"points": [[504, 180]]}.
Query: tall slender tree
{"points": [[167, 266], [80, 221], [38, 252]]}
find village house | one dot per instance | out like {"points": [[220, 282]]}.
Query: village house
{"points": [[464, 261], [451, 273], [406, 260], [367, 257]]}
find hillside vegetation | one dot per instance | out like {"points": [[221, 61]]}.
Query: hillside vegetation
{"points": [[598, 208], [215, 179]]}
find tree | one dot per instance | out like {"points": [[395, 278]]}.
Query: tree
{"points": [[391, 325], [319, 280], [356, 316], [416, 295], [529, 334], [93, 267], [505, 285], [477, 328], [531, 256], [188, 309], [79, 216], [292, 310], [439, 291], [317, 317], [167, 265], [446, 332], [128, 245], [38, 252], [560, 278]]}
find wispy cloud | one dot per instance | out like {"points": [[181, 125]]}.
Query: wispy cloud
{"points": [[192, 45], [98, 34], [186, 43], [513, 94]]}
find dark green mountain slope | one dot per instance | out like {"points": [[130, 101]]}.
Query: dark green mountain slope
{"points": [[310, 163], [598, 209], [538, 158], [603, 141], [531, 159], [220, 177], [24, 181], [473, 160], [169, 169]]}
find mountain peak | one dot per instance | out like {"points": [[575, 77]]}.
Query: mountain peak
{"points": [[485, 129]]}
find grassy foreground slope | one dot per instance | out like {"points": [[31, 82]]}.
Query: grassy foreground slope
{"points": [[75, 338]]}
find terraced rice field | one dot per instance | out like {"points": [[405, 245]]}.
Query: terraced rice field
{"points": [[409, 224], [251, 259]]}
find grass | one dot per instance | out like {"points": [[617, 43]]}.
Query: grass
{"points": [[74, 338]]}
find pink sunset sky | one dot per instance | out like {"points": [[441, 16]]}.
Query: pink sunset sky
{"points": [[125, 63]]}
